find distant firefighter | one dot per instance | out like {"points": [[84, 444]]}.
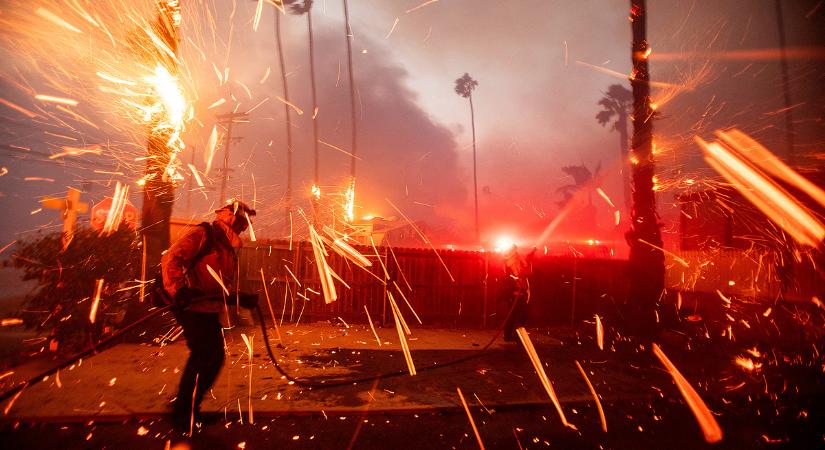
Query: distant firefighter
{"points": [[517, 270], [191, 268]]}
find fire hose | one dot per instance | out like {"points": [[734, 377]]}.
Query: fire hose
{"points": [[105, 342]]}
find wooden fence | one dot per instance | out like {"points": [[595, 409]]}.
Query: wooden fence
{"points": [[452, 288]]}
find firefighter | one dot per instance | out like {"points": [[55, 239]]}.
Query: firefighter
{"points": [[517, 269], [199, 300]]}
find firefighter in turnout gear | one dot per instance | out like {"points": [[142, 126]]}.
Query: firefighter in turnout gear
{"points": [[191, 269], [517, 269]]}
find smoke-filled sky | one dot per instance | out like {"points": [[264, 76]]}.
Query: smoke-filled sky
{"points": [[541, 65]]}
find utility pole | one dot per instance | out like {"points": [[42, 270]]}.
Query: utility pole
{"points": [[288, 122], [227, 119]]}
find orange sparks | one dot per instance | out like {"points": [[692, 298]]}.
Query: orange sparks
{"points": [[599, 333], [770, 198], [251, 230], [115, 216], [248, 341], [325, 272], [320, 141], [53, 99], [217, 278], [757, 154], [673, 255], [764, 54], [211, 145], [347, 251], [623, 76], [603, 195], [96, 301], [17, 108], [420, 6], [470, 416], [396, 310], [595, 396], [372, 327], [114, 79], [401, 327], [196, 175], [423, 238], [77, 151], [269, 303], [710, 428], [55, 19], [291, 105], [13, 399], [394, 24], [545, 381], [404, 297], [7, 246], [258, 10], [217, 103], [747, 363]]}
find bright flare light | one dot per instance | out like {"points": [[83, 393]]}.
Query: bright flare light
{"points": [[504, 243]]}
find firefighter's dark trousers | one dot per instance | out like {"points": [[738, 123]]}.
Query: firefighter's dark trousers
{"points": [[206, 355], [518, 315]]}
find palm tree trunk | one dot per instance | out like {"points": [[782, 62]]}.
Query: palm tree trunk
{"points": [[158, 191], [621, 126], [646, 265], [287, 114], [158, 199], [475, 176]]}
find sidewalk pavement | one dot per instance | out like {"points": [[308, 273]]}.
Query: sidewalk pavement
{"points": [[139, 380]]}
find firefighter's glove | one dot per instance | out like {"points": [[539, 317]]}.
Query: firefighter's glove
{"points": [[245, 300], [185, 295]]}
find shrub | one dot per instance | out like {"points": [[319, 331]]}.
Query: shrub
{"points": [[60, 305]]}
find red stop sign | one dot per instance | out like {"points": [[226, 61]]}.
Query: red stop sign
{"points": [[100, 212]]}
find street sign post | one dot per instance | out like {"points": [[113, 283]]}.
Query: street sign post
{"points": [[69, 207]]}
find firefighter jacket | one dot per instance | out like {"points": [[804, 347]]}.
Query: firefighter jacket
{"points": [[222, 259]]}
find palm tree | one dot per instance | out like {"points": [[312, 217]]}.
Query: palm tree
{"points": [[287, 113], [617, 102], [301, 7], [647, 261], [582, 178], [158, 190], [464, 86]]}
